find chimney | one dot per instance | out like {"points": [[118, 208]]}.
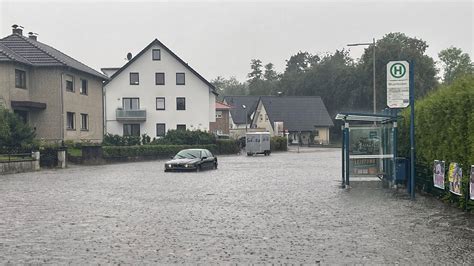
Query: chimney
{"points": [[16, 29], [33, 36]]}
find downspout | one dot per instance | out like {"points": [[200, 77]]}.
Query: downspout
{"points": [[104, 113], [62, 107]]}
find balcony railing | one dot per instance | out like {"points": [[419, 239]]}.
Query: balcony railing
{"points": [[130, 115]]}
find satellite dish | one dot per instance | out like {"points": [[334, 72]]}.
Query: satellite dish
{"points": [[129, 56]]}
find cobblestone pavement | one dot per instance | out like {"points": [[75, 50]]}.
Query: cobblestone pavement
{"points": [[287, 207]]}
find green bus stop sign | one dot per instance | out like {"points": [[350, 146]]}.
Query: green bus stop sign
{"points": [[398, 84], [398, 70]]}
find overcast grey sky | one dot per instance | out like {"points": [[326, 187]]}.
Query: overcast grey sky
{"points": [[220, 38]]}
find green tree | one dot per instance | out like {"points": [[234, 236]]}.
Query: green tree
{"points": [[270, 74], [262, 87], [395, 46], [455, 63], [333, 78], [229, 86], [292, 81], [256, 66], [301, 62], [13, 132]]}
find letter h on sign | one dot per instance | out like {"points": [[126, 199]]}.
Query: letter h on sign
{"points": [[398, 70]]}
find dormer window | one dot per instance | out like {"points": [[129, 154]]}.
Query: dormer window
{"points": [[156, 54], [134, 78]]}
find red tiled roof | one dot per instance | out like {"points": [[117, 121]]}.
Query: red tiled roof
{"points": [[222, 106]]}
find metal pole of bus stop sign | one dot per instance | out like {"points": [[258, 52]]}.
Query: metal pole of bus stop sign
{"points": [[394, 148], [343, 156], [346, 136], [412, 129]]}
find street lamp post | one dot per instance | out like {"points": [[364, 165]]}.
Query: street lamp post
{"points": [[373, 57], [246, 116]]}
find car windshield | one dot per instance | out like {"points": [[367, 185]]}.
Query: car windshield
{"points": [[188, 154]]}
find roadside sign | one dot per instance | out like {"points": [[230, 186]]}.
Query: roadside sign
{"points": [[398, 84]]}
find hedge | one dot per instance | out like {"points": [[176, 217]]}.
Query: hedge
{"points": [[227, 146], [278, 144], [185, 137], [149, 151], [444, 130]]}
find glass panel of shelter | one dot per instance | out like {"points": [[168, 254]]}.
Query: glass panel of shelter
{"points": [[370, 150]]}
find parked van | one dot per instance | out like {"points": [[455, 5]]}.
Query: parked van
{"points": [[257, 143]]}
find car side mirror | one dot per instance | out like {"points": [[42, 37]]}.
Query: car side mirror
{"points": [[203, 158], [171, 157]]}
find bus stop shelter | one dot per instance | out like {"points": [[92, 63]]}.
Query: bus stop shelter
{"points": [[369, 145]]}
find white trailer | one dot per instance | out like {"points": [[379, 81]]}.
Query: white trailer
{"points": [[257, 143]]}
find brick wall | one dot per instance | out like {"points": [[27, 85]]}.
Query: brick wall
{"points": [[221, 123]]}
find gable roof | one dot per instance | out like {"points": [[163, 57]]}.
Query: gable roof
{"points": [[298, 113], [157, 42], [238, 112], [6, 54], [18, 48]]}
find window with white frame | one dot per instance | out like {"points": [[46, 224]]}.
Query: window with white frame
{"points": [[160, 103], [131, 103]]}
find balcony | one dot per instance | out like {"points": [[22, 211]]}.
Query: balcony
{"points": [[130, 115]]}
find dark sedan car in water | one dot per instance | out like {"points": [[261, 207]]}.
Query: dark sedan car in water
{"points": [[191, 160]]}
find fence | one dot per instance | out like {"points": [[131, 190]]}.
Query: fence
{"points": [[19, 162], [424, 183]]}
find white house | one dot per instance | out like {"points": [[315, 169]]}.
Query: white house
{"points": [[154, 92]]}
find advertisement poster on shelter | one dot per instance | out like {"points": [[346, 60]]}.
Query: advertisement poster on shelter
{"points": [[455, 176], [438, 174], [471, 183]]}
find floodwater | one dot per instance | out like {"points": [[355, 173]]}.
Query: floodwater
{"points": [[284, 208]]}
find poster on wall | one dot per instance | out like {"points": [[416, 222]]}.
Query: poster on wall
{"points": [[455, 176], [471, 183], [438, 174], [365, 141]]}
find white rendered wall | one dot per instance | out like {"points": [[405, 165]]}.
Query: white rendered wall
{"points": [[200, 102]]}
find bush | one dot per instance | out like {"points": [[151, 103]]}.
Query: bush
{"points": [[150, 151], [278, 144], [172, 137], [117, 140], [227, 146], [444, 126], [14, 134], [186, 137]]}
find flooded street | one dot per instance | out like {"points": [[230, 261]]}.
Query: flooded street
{"points": [[284, 208]]}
